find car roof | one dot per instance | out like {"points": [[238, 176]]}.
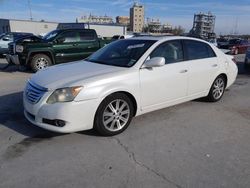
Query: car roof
{"points": [[165, 38]]}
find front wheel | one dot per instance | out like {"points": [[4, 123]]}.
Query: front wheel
{"points": [[114, 114], [217, 90], [39, 62]]}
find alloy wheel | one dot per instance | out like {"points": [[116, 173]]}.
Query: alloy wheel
{"points": [[41, 63], [116, 115], [218, 88]]}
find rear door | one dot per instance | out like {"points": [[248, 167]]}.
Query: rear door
{"points": [[89, 43], [67, 47], [203, 66]]}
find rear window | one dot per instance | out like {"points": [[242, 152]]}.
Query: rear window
{"points": [[198, 50], [87, 35]]}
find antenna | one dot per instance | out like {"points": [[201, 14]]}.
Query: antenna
{"points": [[31, 18]]}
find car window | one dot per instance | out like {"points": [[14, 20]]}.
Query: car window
{"points": [[68, 37], [172, 52], [198, 50], [123, 53], [87, 35]]}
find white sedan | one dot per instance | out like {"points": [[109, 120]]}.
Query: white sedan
{"points": [[124, 79]]}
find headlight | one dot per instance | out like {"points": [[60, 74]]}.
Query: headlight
{"points": [[64, 94], [19, 48]]}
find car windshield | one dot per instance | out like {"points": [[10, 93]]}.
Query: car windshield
{"points": [[122, 53], [51, 35]]}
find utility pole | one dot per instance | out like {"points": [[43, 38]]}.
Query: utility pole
{"points": [[31, 18]]}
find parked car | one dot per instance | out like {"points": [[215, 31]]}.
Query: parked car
{"points": [[58, 46], [222, 42], [236, 46], [247, 58], [124, 79], [7, 38], [240, 48]]}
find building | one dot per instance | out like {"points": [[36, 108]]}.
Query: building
{"points": [[137, 18], [123, 20], [35, 27], [153, 25], [95, 19], [107, 30], [203, 26], [41, 28]]}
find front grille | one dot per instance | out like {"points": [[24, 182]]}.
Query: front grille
{"points": [[11, 49], [34, 92]]}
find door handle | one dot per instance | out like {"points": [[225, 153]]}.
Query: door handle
{"points": [[214, 65], [184, 71]]}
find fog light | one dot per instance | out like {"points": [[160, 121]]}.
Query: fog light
{"points": [[60, 123]]}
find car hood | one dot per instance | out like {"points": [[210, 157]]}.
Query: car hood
{"points": [[66, 75]]}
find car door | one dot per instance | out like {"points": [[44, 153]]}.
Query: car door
{"points": [[89, 43], [67, 47], [161, 86], [203, 66]]}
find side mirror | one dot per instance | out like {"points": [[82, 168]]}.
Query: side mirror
{"points": [[154, 62], [59, 40]]}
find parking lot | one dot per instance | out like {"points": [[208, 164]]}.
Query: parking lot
{"points": [[195, 144]]}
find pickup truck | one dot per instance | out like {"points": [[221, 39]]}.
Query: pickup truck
{"points": [[58, 46]]}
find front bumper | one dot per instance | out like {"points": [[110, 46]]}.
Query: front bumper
{"points": [[13, 59], [78, 116]]}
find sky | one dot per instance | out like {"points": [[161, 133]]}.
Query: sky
{"points": [[231, 15]]}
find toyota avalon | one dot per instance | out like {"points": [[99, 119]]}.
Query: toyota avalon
{"points": [[125, 79]]}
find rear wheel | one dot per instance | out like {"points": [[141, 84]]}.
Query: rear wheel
{"points": [[217, 90], [39, 62], [114, 114]]}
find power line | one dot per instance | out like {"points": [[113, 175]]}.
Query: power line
{"points": [[31, 18]]}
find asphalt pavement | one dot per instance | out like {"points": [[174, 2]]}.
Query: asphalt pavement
{"points": [[195, 144]]}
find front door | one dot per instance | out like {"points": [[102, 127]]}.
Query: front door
{"points": [[161, 86]]}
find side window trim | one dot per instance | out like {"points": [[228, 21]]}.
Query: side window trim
{"points": [[186, 55]]}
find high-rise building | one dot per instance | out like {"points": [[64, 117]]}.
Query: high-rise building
{"points": [[203, 25], [137, 18]]}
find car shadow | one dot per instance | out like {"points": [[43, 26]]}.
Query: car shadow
{"points": [[13, 68], [12, 117]]}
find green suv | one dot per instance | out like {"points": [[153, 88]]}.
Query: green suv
{"points": [[58, 46]]}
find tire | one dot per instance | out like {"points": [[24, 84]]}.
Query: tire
{"points": [[114, 115], [217, 90], [40, 62]]}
